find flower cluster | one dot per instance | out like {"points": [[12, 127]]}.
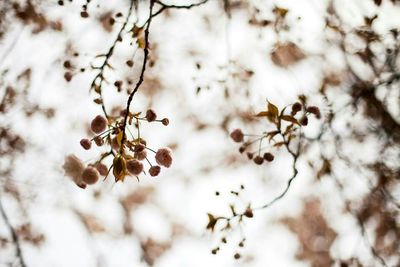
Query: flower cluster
{"points": [[129, 152], [286, 128]]}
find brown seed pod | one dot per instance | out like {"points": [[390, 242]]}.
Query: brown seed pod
{"points": [[154, 170], [296, 108], [164, 157], [86, 144], [134, 166], [99, 124], [237, 135], [90, 175]]}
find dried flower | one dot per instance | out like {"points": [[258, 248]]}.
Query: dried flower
{"points": [[237, 135], [304, 121], [164, 157], [99, 124], [99, 141], [90, 175], [102, 168], [134, 166], [86, 144], [154, 170], [73, 168]]}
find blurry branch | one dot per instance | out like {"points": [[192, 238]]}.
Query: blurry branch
{"points": [[100, 76], [165, 6], [14, 236], [360, 222], [141, 76]]}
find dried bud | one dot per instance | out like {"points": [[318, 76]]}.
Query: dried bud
{"points": [[99, 124], [73, 168], [99, 141], [151, 115], [84, 14], [140, 155], [102, 168], [237, 135], [68, 76], [90, 175], [154, 170], [268, 157], [314, 110], [250, 155], [134, 166], [236, 256], [304, 121], [164, 157], [248, 213], [139, 148], [258, 160], [242, 149], [165, 121], [86, 144], [296, 108], [119, 168], [129, 63]]}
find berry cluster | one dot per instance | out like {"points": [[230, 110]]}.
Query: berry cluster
{"points": [[129, 154]]}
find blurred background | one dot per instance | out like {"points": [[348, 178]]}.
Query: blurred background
{"points": [[211, 68]]}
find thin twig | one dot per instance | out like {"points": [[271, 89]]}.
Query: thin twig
{"points": [[14, 236]]}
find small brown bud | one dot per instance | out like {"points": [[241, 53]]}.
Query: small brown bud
{"points": [[99, 141], [68, 76], [258, 160], [140, 155], [151, 115], [237, 135], [268, 156], [134, 166], [236, 256], [248, 213], [304, 121], [84, 14], [250, 155], [165, 121], [90, 175], [296, 108], [86, 144], [129, 63], [67, 64], [139, 148], [314, 110], [242, 149], [102, 169], [164, 157], [99, 124], [154, 170]]}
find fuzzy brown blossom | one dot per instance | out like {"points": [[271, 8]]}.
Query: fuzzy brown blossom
{"points": [[237, 135], [164, 157], [151, 115], [86, 144], [154, 170], [134, 166], [90, 175], [99, 124], [73, 168]]}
